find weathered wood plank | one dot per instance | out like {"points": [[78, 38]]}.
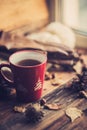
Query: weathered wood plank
{"points": [[52, 119]]}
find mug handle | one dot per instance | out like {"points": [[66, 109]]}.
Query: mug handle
{"points": [[9, 73]]}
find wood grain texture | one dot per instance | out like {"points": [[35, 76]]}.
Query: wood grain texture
{"points": [[17, 13], [52, 120]]}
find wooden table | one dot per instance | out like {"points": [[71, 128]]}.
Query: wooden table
{"points": [[52, 120]]}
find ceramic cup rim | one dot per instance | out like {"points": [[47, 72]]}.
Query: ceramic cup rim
{"points": [[39, 53]]}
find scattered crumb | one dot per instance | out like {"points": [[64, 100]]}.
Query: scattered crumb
{"points": [[55, 82]]}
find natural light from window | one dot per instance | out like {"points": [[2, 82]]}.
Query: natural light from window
{"points": [[74, 14]]}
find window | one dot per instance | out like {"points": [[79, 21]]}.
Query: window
{"points": [[73, 13]]}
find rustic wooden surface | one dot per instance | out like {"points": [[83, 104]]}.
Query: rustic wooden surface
{"points": [[52, 120]]}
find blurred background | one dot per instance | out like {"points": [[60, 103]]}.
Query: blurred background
{"points": [[24, 17]]}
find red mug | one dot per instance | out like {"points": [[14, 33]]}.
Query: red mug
{"points": [[28, 70]]}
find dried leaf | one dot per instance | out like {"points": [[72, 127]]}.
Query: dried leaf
{"points": [[49, 75], [56, 82], [73, 113], [53, 106], [19, 109], [36, 106]]}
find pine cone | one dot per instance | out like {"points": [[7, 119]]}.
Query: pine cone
{"points": [[34, 113]]}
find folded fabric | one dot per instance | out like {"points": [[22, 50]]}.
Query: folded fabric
{"points": [[55, 33], [64, 32]]}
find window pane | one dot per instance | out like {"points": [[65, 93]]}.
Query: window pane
{"points": [[74, 14], [83, 14]]}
